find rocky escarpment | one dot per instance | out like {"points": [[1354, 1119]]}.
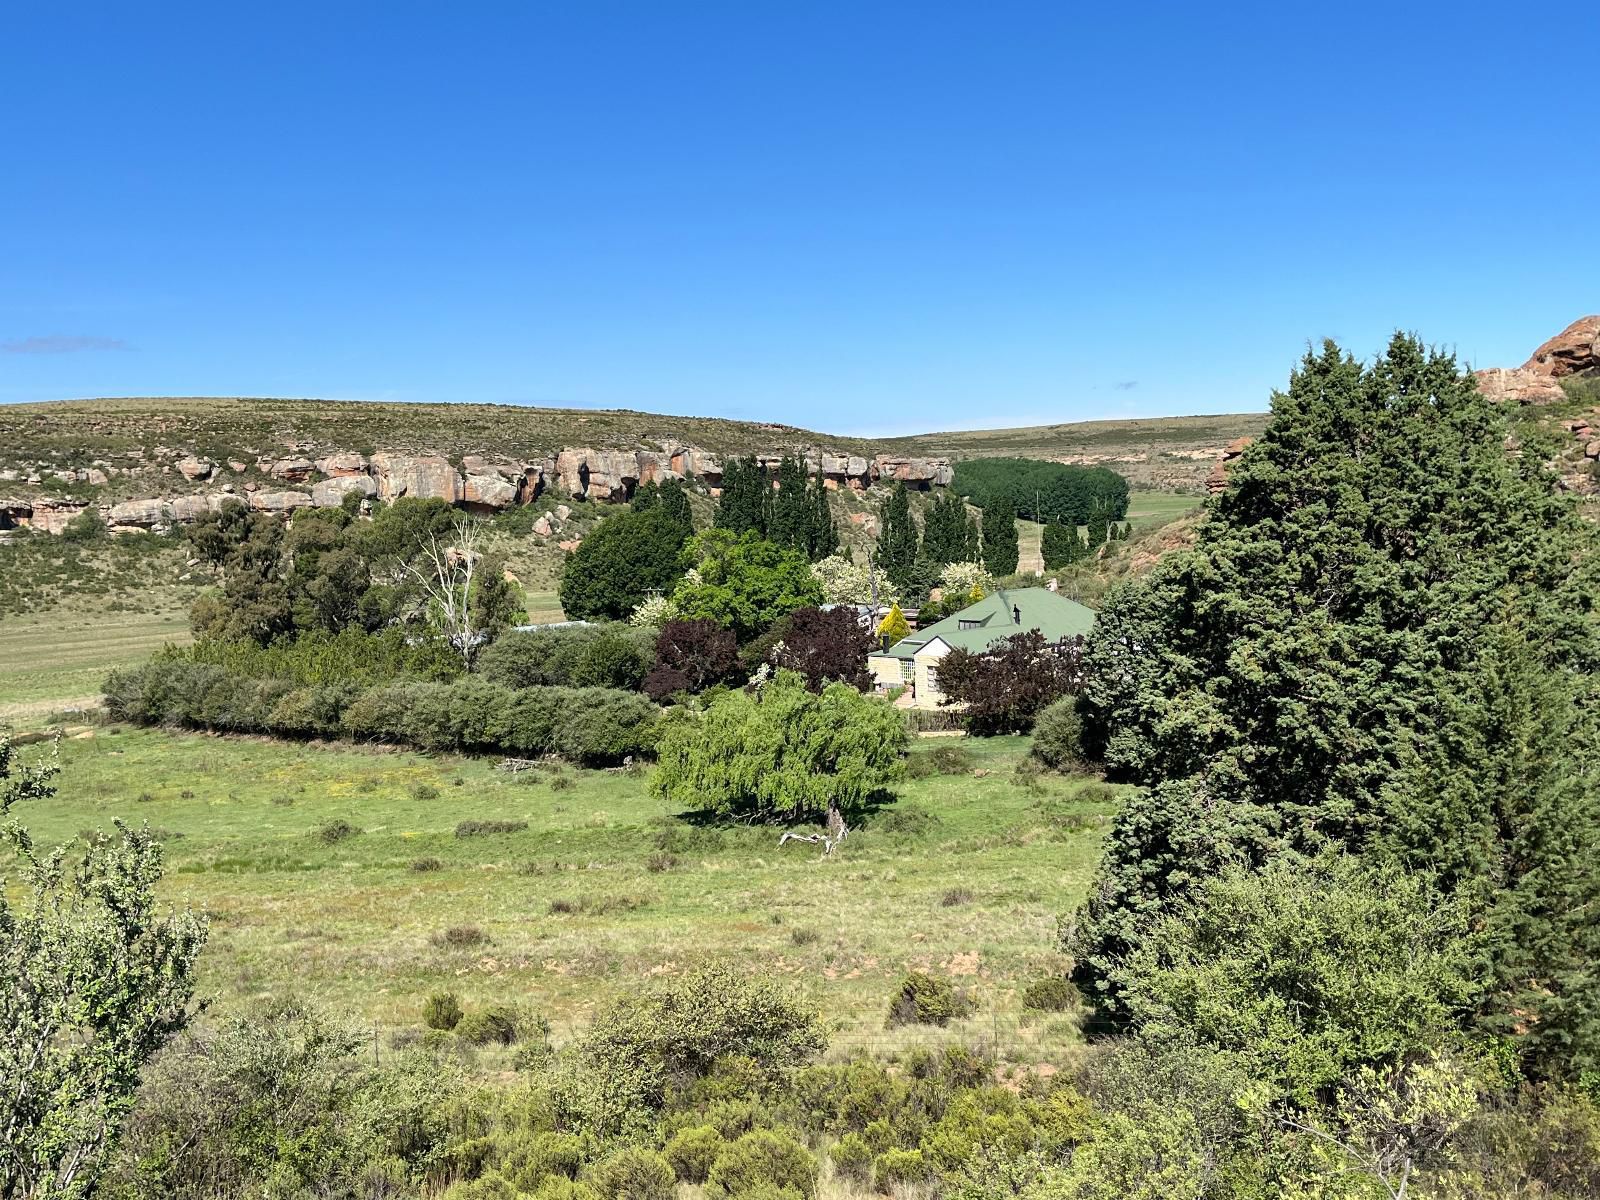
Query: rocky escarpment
{"points": [[1574, 352], [478, 483]]}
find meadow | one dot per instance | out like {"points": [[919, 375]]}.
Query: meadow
{"points": [[346, 875]]}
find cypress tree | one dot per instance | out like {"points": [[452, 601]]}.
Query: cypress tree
{"points": [[897, 536], [790, 523], [745, 505], [1062, 546], [673, 499], [1000, 538], [949, 533], [822, 538]]}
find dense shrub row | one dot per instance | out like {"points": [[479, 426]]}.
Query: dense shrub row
{"points": [[588, 725]]}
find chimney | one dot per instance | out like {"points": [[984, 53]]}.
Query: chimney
{"points": [[1016, 615]]}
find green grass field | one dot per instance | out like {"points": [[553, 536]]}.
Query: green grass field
{"points": [[964, 875], [59, 659], [1149, 510]]}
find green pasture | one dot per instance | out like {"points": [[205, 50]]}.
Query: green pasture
{"points": [[605, 889]]}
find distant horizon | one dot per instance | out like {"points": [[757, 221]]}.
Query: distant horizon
{"points": [[649, 412]]}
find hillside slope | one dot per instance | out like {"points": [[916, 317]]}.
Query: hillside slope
{"points": [[36, 439]]}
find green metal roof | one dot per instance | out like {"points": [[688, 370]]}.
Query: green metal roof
{"points": [[1054, 616]]}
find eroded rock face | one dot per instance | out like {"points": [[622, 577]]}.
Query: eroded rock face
{"points": [[141, 514], [293, 470], [488, 491], [338, 466], [916, 472], [330, 493], [1573, 351], [279, 502], [52, 515], [1217, 481], [1518, 386], [425, 477], [186, 509]]}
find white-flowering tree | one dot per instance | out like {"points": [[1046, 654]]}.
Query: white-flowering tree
{"points": [[847, 582]]}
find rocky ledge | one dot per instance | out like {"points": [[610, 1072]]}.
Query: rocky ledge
{"points": [[479, 484]]}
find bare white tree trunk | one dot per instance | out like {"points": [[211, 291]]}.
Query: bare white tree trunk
{"points": [[445, 571]]}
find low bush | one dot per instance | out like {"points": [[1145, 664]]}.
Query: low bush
{"points": [[906, 820], [442, 1011], [424, 791], [1058, 735], [426, 863], [895, 1168], [924, 999], [632, 1173], [1053, 994], [762, 1159], [480, 828], [692, 1151], [460, 937], [852, 1159], [496, 1024], [951, 758], [955, 897], [336, 831]]}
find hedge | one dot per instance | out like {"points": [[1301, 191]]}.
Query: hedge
{"points": [[588, 725]]}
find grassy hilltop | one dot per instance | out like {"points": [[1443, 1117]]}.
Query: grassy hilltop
{"points": [[1173, 452]]}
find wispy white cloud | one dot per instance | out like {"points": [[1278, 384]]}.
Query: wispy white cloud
{"points": [[1126, 385], [62, 343]]}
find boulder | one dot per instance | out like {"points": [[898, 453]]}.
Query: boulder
{"points": [[425, 477], [95, 477], [1519, 386], [330, 493], [542, 525], [140, 514], [236, 467], [563, 511], [195, 469], [488, 491], [1573, 351], [279, 502], [341, 465], [921, 473], [293, 470], [187, 509]]}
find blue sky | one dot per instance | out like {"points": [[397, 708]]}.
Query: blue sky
{"points": [[853, 217]]}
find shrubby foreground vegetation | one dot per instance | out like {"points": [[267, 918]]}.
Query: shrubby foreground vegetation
{"points": [[1341, 942]]}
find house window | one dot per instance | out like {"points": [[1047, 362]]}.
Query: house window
{"points": [[968, 624]]}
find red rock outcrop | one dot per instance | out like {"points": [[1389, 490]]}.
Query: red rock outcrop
{"points": [[1217, 481], [1573, 351]]}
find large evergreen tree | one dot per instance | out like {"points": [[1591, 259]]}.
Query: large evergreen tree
{"points": [[897, 536], [746, 502], [822, 538], [1061, 546], [949, 532], [790, 522], [1000, 538], [1380, 644]]}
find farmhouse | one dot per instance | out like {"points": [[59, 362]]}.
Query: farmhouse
{"points": [[913, 661]]}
